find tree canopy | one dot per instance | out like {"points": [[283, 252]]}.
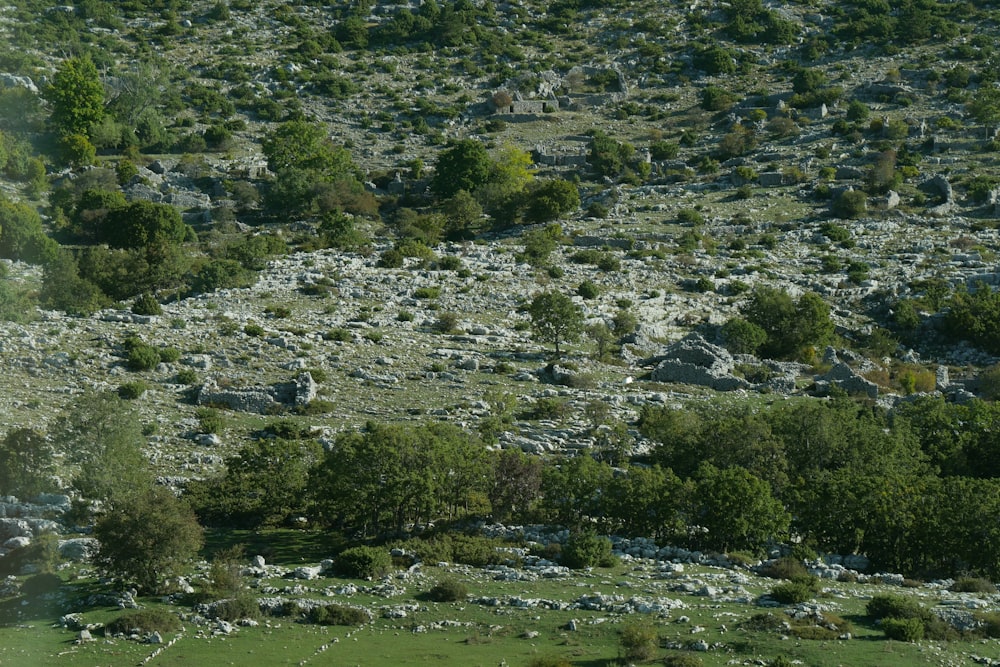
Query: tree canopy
{"points": [[555, 319]]}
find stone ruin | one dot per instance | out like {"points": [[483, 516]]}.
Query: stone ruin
{"points": [[260, 399]]}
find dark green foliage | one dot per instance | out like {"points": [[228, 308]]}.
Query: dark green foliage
{"points": [[142, 224], [76, 96], [139, 356], [220, 274], [130, 391], [790, 325], [742, 337], [785, 567], [792, 592], [551, 199], [364, 562], [903, 629], [555, 319], [974, 316], [894, 606], [400, 475], [586, 549], [144, 620], [682, 660], [449, 590], [464, 166], [850, 204], [264, 483], [146, 538], [26, 464], [715, 60], [738, 509], [607, 156], [237, 608], [588, 290], [146, 304], [21, 234], [338, 614]]}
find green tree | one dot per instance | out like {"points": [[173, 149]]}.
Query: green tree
{"points": [[26, 464], [607, 156], [76, 97], [737, 509], [742, 337], [147, 537], [264, 484], [464, 166], [300, 144], [791, 325], [399, 474], [101, 434], [985, 105], [515, 485], [21, 234], [555, 319], [551, 199], [573, 490], [143, 224]]}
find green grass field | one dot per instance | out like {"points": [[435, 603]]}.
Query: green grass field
{"points": [[529, 620]]}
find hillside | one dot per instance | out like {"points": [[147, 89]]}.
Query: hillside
{"points": [[296, 222]]}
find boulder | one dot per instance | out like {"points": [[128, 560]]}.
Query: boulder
{"points": [[693, 360]]}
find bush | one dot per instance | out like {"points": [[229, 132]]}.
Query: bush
{"points": [[145, 620], [903, 629], [130, 391], [142, 357], [639, 641], [364, 562], [41, 584], [209, 420], [850, 204], [973, 585], [784, 568], [549, 661], [588, 290], [894, 606], [448, 590], [792, 592], [336, 614], [169, 355], [146, 304], [586, 549], [242, 606]]}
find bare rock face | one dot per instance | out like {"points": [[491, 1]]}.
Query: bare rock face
{"points": [[694, 360]]}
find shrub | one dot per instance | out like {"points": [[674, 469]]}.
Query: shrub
{"points": [[784, 568], [337, 614], [233, 609], [142, 357], [894, 606], [132, 390], [41, 584], [791, 592], [254, 330], [973, 585], [690, 216], [364, 562], [448, 590], [850, 204], [903, 629], [639, 641], [586, 549], [186, 376], [169, 355], [209, 420], [146, 304], [445, 323], [427, 292], [588, 290], [145, 620]]}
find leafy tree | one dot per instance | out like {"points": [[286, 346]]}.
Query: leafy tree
{"points": [[464, 166], [515, 485], [101, 434], [64, 289], [147, 537], [607, 156], [573, 489], [300, 144], [76, 96], [737, 509], [26, 464], [850, 204], [790, 324], [555, 319], [364, 562], [540, 242], [648, 502], [143, 224], [585, 549], [742, 337], [399, 474], [550, 200], [21, 234], [264, 484], [463, 216], [985, 105]]}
